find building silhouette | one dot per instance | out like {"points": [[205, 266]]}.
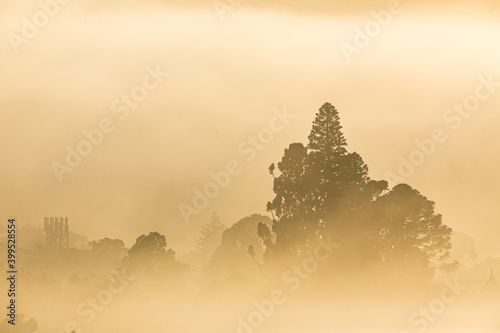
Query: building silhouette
{"points": [[56, 232]]}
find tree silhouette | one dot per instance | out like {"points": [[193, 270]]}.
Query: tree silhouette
{"points": [[326, 138], [231, 257], [324, 190], [321, 189], [264, 233], [252, 253], [342, 177], [149, 255], [326, 153], [107, 247], [293, 206], [411, 234], [210, 235], [206, 244]]}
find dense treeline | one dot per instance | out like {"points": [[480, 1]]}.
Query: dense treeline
{"points": [[324, 191], [323, 194]]}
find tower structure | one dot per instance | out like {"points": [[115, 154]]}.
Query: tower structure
{"points": [[56, 232]]}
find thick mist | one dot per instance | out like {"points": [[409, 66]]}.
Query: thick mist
{"points": [[225, 78], [224, 91]]}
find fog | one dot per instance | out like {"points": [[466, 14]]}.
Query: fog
{"points": [[232, 74]]}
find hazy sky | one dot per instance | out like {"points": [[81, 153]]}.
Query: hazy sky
{"points": [[226, 76]]}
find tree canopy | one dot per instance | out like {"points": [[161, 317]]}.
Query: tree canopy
{"points": [[150, 255], [323, 190]]}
